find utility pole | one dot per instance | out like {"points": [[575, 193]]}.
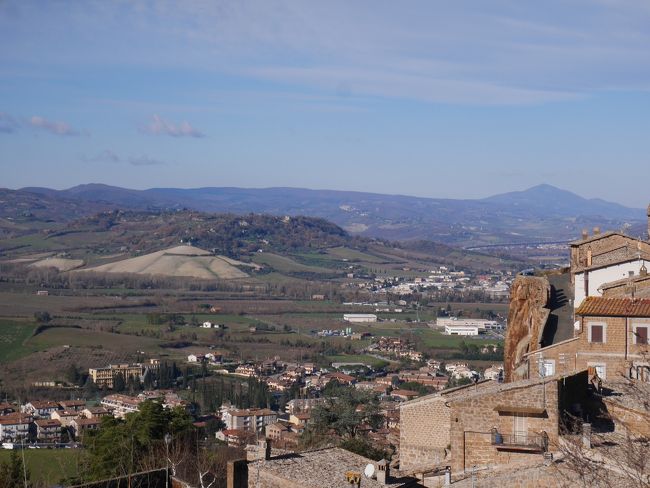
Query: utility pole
{"points": [[168, 439]]}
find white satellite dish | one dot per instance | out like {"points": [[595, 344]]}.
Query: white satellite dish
{"points": [[369, 471]]}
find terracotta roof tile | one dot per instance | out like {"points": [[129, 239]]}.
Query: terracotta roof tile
{"points": [[614, 307]]}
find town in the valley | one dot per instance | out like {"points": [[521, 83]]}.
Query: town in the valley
{"points": [[547, 380]]}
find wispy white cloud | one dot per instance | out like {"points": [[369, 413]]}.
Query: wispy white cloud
{"points": [[53, 127], [524, 52], [145, 161], [160, 126], [105, 156], [110, 156], [10, 124]]}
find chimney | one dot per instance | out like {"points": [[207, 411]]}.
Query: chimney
{"points": [[383, 472], [648, 213], [264, 448], [259, 452], [585, 232], [596, 231], [237, 474]]}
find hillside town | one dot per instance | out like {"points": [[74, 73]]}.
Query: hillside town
{"points": [[575, 363]]}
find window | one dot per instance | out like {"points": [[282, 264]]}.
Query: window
{"points": [[520, 428], [548, 367], [641, 334], [597, 333], [601, 369]]}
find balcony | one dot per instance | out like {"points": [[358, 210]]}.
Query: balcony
{"points": [[521, 441]]}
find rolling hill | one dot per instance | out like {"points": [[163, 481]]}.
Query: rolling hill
{"points": [[179, 261], [540, 214]]}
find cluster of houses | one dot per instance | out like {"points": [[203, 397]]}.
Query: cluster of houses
{"points": [[395, 347], [347, 332], [495, 285], [47, 422]]}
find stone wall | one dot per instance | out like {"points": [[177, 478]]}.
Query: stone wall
{"points": [[424, 432], [617, 352], [526, 477], [634, 421], [473, 418], [608, 249], [526, 320]]}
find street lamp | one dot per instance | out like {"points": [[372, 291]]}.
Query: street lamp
{"points": [[168, 440]]}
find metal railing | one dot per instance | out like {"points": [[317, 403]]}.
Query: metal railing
{"points": [[521, 439]]}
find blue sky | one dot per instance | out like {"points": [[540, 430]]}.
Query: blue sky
{"points": [[441, 99]]}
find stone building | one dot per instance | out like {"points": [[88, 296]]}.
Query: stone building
{"points": [[603, 258], [324, 468], [610, 338], [593, 315], [486, 424]]}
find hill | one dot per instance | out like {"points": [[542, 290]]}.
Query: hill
{"points": [[226, 246], [179, 261], [540, 214]]}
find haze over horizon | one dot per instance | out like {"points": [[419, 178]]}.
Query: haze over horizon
{"points": [[429, 100]]}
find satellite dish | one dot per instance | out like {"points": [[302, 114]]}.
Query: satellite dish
{"points": [[576, 325], [369, 471]]}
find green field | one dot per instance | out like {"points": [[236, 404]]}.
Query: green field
{"points": [[287, 265], [48, 466], [437, 340], [60, 336], [354, 255], [13, 339]]}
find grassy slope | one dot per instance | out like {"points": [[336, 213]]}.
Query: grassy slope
{"points": [[48, 466], [59, 336], [286, 265], [13, 338]]}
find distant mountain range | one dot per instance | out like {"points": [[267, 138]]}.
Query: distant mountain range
{"points": [[540, 214]]}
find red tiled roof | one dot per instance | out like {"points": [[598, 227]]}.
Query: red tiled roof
{"points": [[614, 307], [404, 392], [15, 419], [47, 423], [235, 433]]}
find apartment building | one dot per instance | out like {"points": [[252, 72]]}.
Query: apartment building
{"points": [[105, 377], [250, 419], [14, 427], [48, 430]]}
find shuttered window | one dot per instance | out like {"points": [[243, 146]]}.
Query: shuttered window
{"points": [[641, 335], [597, 333]]}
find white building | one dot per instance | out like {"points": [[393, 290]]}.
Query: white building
{"points": [[588, 282], [462, 330], [14, 427], [358, 318], [250, 419], [121, 405], [483, 324]]}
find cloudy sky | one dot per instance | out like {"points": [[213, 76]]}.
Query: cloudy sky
{"points": [[431, 98]]}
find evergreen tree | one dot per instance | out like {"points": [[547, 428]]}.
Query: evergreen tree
{"points": [[12, 472], [118, 382]]}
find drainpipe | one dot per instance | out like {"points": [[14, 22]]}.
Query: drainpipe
{"points": [[627, 325]]}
